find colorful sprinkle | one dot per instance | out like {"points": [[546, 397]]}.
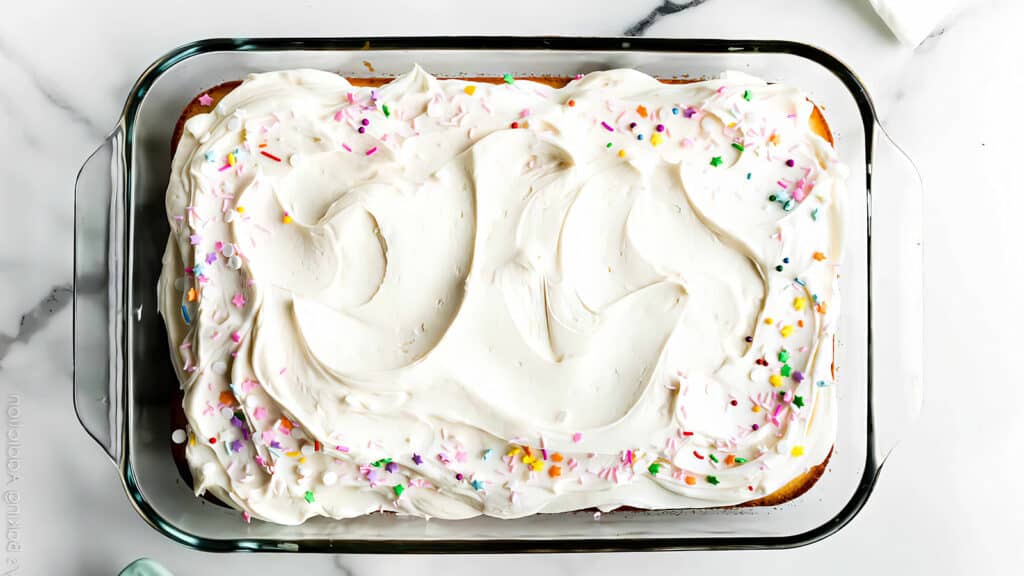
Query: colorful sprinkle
{"points": [[738, 146], [790, 163], [269, 155], [607, 126], [660, 128], [713, 458], [798, 376], [642, 111], [417, 459], [656, 139], [238, 300], [398, 488], [712, 480], [508, 79], [309, 496], [689, 112], [786, 331], [798, 401], [577, 437], [690, 480], [716, 161], [384, 109], [797, 451], [775, 380], [571, 103], [371, 151], [747, 95], [819, 256], [477, 485], [654, 468], [555, 471], [205, 100], [469, 90]]}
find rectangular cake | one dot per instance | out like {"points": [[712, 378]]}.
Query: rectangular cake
{"points": [[455, 297]]}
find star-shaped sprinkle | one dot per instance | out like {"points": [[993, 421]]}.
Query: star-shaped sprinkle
{"points": [[417, 459], [205, 100], [238, 300]]}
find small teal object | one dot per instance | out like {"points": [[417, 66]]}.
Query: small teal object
{"points": [[145, 567]]}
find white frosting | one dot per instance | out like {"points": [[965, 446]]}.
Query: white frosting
{"points": [[447, 289]]}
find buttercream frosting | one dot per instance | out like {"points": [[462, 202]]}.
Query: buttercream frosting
{"points": [[449, 298]]}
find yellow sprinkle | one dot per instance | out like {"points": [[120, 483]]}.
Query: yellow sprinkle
{"points": [[292, 454], [191, 440], [302, 460], [287, 219], [787, 331], [231, 159], [799, 302], [775, 380], [515, 451], [797, 451], [656, 139], [537, 466], [240, 209], [769, 320], [469, 89], [756, 408], [774, 139], [529, 460], [622, 153], [732, 124], [819, 256]]}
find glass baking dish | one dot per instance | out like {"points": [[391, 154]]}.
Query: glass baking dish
{"points": [[124, 381]]}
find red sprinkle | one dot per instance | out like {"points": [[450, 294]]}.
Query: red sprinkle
{"points": [[515, 125], [687, 433], [213, 440], [269, 155], [697, 454]]}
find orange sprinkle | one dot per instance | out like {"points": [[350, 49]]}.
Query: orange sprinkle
{"points": [[192, 295], [556, 457], [756, 408], [730, 460], [528, 450], [572, 103], [822, 308], [287, 423], [690, 480], [774, 139], [287, 219], [227, 398], [264, 145], [555, 471], [641, 111], [800, 323], [819, 256], [768, 321]]}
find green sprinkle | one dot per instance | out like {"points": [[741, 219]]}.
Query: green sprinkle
{"points": [[747, 95], [398, 488], [716, 161], [712, 458], [609, 145], [773, 198], [740, 460], [789, 205], [799, 401], [783, 355], [786, 370], [654, 468], [508, 78], [712, 480], [387, 113], [381, 462], [749, 175], [779, 268], [814, 214], [309, 496], [738, 146]]}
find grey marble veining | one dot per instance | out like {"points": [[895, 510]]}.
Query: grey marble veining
{"points": [[945, 499]]}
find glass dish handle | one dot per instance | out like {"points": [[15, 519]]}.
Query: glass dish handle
{"points": [[98, 309], [896, 294]]}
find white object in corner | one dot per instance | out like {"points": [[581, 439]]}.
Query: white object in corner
{"points": [[912, 20]]}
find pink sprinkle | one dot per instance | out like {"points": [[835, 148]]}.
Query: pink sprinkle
{"points": [[351, 99], [282, 371], [224, 167], [543, 453], [236, 336], [341, 448], [246, 517], [248, 385], [218, 245], [345, 146], [460, 456], [607, 126], [205, 100], [799, 194], [338, 116], [259, 413], [267, 436], [577, 437], [524, 112], [195, 239], [371, 151], [238, 300]]}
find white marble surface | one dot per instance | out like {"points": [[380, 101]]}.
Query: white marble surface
{"points": [[948, 501]]}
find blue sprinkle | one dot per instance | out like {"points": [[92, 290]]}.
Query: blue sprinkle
{"points": [[197, 269], [814, 214], [800, 282], [210, 156], [184, 313], [783, 197], [788, 206], [477, 485], [639, 136], [822, 384], [487, 454], [675, 111], [748, 175], [815, 296]]}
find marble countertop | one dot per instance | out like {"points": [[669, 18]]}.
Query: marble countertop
{"points": [[948, 499]]}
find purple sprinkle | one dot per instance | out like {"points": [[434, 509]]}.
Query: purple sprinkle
{"points": [[391, 467], [790, 163], [755, 427], [749, 338], [373, 95], [689, 112], [237, 422], [632, 125], [365, 122], [372, 476], [459, 476], [417, 459], [275, 444], [798, 376], [195, 239], [211, 257], [543, 454], [660, 127], [607, 126], [371, 151], [236, 445], [362, 129], [245, 434]]}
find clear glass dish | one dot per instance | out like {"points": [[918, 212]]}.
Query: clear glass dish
{"points": [[124, 380]]}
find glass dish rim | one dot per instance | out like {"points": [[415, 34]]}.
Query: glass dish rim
{"points": [[126, 124]]}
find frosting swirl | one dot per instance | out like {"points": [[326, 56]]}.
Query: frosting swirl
{"points": [[447, 298]]}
